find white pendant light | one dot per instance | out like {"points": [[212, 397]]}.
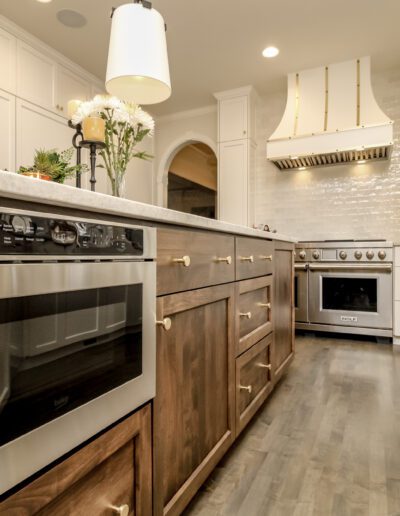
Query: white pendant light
{"points": [[137, 68]]}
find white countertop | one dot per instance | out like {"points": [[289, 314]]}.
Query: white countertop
{"points": [[15, 186]]}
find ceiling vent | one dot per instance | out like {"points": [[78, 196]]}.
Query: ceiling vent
{"points": [[331, 118]]}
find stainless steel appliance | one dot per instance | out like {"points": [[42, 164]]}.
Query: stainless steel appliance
{"points": [[77, 333], [344, 287]]}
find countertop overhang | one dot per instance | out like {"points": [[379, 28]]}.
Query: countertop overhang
{"points": [[15, 186]]}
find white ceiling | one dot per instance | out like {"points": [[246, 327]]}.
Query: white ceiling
{"points": [[216, 44]]}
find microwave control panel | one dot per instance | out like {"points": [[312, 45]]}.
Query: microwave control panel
{"points": [[22, 234]]}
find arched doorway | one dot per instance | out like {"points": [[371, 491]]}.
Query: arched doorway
{"points": [[192, 180]]}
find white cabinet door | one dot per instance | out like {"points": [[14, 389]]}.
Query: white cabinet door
{"points": [[8, 60], [35, 76], [233, 182], [233, 118], [7, 131], [69, 86]]}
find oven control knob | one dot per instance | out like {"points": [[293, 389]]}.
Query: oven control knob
{"points": [[358, 255], [370, 255], [382, 255], [302, 254], [343, 255], [316, 255]]}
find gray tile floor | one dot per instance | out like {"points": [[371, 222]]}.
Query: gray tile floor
{"points": [[327, 442]]}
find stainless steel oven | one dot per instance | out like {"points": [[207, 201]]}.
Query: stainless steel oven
{"points": [[77, 333], [301, 292]]}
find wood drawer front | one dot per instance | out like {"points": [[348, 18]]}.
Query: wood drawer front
{"points": [[254, 311], [254, 257], [205, 250], [253, 381]]}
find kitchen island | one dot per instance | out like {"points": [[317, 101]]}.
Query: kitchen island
{"points": [[225, 336]]}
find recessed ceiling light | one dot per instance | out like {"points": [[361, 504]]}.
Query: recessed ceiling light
{"points": [[44, 1], [71, 18], [361, 161], [301, 168], [270, 52]]}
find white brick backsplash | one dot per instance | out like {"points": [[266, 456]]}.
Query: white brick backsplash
{"points": [[350, 201]]}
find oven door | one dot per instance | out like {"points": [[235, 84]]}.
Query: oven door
{"points": [[301, 292], [77, 347], [351, 295]]}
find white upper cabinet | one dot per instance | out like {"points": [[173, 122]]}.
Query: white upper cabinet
{"points": [[7, 131], [8, 60], [233, 119], [35, 76], [69, 86]]}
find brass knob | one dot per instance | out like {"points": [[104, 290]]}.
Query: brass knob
{"points": [[227, 259], [247, 258], [265, 305], [269, 257], [245, 314], [123, 510], [166, 323], [185, 260], [265, 366], [247, 388]]}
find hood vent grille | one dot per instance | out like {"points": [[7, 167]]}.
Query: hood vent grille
{"points": [[331, 118], [334, 158]]}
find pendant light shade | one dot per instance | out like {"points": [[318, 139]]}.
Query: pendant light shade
{"points": [[137, 68]]}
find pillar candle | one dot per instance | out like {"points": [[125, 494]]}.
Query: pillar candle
{"points": [[93, 129]]}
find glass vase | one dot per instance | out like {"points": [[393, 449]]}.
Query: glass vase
{"points": [[118, 184]]}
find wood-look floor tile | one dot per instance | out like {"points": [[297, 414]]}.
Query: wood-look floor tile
{"points": [[326, 443]]}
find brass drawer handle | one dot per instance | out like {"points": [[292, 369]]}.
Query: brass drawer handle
{"points": [[247, 388], [247, 259], [123, 510], [185, 260], [227, 259], [265, 305], [245, 314], [265, 366], [269, 257], [166, 323]]}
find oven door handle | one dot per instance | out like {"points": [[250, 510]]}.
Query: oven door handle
{"points": [[301, 266], [368, 267]]}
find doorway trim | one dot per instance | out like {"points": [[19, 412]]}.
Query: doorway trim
{"points": [[167, 157]]}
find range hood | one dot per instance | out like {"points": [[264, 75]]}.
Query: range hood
{"points": [[331, 118]]}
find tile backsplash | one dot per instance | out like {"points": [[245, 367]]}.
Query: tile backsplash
{"points": [[339, 202]]}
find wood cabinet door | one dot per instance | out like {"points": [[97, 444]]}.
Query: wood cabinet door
{"points": [[194, 408], [233, 118], [35, 77], [112, 471], [7, 131], [283, 318], [8, 60], [69, 86], [233, 182]]}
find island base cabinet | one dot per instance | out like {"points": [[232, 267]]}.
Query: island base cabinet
{"points": [[113, 471], [194, 409]]}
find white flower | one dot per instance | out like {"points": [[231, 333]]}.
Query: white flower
{"points": [[83, 111]]}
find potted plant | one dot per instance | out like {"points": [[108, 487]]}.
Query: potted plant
{"points": [[52, 165], [126, 124]]}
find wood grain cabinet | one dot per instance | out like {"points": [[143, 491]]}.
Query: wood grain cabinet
{"points": [[194, 409], [253, 381], [284, 307], [113, 471], [254, 257]]}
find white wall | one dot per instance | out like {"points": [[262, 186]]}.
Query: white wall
{"points": [[352, 201]]}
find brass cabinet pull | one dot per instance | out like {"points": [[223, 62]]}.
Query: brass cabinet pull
{"points": [[265, 366], [123, 510], [227, 259], [245, 314], [247, 388], [269, 257], [185, 260], [247, 259], [265, 305], [166, 323]]}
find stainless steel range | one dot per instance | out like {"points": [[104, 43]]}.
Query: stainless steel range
{"points": [[344, 286]]}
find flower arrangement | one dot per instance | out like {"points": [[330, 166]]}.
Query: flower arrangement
{"points": [[126, 124], [52, 165]]}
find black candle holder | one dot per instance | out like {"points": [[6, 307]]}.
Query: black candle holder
{"points": [[94, 146]]}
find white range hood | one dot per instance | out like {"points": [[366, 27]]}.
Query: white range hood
{"points": [[331, 118]]}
